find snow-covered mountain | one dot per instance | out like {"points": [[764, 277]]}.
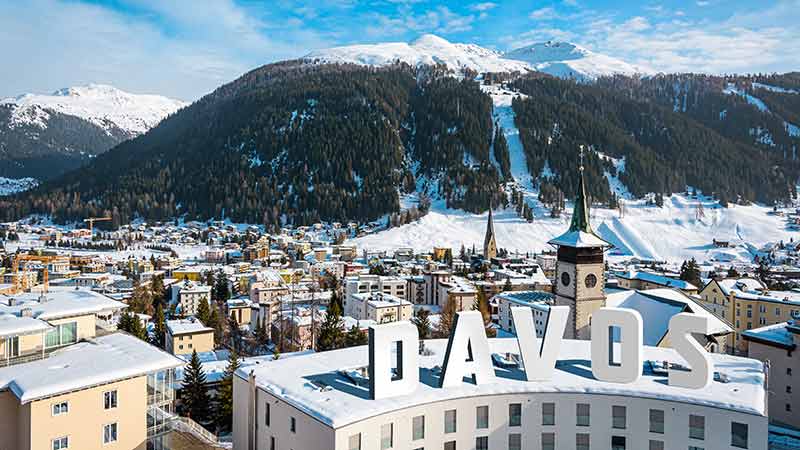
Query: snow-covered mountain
{"points": [[562, 59], [42, 136], [100, 104]]}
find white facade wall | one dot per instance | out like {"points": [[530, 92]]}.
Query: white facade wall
{"points": [[506, 322]]}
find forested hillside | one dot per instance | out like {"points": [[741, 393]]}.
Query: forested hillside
{"points": [[298, 143]]}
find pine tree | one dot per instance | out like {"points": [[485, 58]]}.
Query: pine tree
{"points": [[235, 332], [330, 332], [482, 304], [130, 323], [733, 273], [204, 312], [221, 291], [423, 322], [354, 337], [159, 327], [215, 322], [195, 395], [224, 411], [446, 319], [690, 272]]}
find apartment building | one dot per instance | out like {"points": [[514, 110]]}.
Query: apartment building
{"points": [[184, 336], [107, 393], [778, 344], [377, 307], [361, 284], [188, 295], [322, 401], [538, 301]]}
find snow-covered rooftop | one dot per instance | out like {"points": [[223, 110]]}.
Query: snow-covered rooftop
{"points": [[297, 381], [657, 279], [781, 334], [579, 239], [658, 306], [185, 326], [533, 299], [103, 360], [11, 325], [60, 302]]}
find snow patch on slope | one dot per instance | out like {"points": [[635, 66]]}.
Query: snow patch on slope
{"points": [[9, 186], [102, 105], [567, 60]]}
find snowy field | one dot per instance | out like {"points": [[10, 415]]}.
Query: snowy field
{"points": [[683, 228]]}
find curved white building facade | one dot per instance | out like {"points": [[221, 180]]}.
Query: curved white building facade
{"points": [[321, 401]]}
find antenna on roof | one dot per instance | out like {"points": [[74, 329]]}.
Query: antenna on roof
{"points": [[581, 158]]}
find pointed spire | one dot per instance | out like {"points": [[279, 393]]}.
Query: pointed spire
{"points": [[580, 215], [489, 242]]}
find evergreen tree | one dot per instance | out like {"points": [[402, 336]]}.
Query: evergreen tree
{"points": [[195, 396], [331, 330], [235, 333], [446, 319], [130, 323], [354, 337], [482, 304], [221, 291], [159, 327], [158, 291], [224, 412], [423, 323], [733, 273], [690, 272], [204, 312]]}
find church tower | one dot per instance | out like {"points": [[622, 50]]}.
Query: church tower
{"points": [[580, 269], [489, 243]]}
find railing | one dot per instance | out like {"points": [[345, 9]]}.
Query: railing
{"points": [[187, 425], [24, 359]]}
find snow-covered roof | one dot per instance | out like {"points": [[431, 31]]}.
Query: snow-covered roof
{"points": [[11, 325], [579, 239], [346, 403], [60, 302], [215, 363], [781, 334], [658, 306], [103, 360], [657, 279], [534, 299], [740, 284], [185, 326]]}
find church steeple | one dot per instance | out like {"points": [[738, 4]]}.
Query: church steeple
{"points": [[489, 243], [580, 215]]}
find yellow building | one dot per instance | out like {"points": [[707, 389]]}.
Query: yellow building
{"points": [[188, 273], [94, 395], [185, 336], [747, 304]]}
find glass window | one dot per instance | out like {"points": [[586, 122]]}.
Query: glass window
{"points": [[657, 421], [110, 399], [514, 441], [618, 414], [450, 421], [582, 441], [515, 414], [482, 443], [739, 435], [387, 436], [418, 428], [450, 445], [697, 427], [582, 414], [62, 442], [12, 347], [548, 441], [617, 442], [292, 424], [548, 413], [266, 414], [482, 417], [354, 442], [272, 443], [692, 447], [656, 445], [60, 408], [110, 433]]}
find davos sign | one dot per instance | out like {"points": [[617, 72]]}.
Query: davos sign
{"points": [[468, 350]]}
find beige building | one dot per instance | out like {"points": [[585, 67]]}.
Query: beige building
{"points": [[364, 284], [184, 336], [240, 309], [778, 345], [747, 304], [102, 394], [539, 302], [188, 296], [377, 307]]}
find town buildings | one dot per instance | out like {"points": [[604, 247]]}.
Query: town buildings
{"points": [[184, 336]]}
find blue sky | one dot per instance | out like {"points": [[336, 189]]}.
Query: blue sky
{"points": [[185, 49]]}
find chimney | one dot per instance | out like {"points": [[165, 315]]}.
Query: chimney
{"points": [[12, 302], [26, 312]]}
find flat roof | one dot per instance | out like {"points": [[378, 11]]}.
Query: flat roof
{"points": [[60, 302], [11, 325], [186, 326], [298, 380], [779, 334], [100, 361]]}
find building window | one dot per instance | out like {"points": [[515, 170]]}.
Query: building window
{"points": [[272, 443], [60, 408], [789, 371], [618, 419], [418, 428], [354, 442], [515, 414], [293, 425], [788, 407], [617, 442], [657, 421], [110, 433], [788, 389], [582, 414], [692, 447], [63, 334], [548, 413], [62, 442], [514, 441], [697, 427], [582, 441], [656, 445], [450, 421], [110, 399], [482, 443], [739, 435], [450, 445], [548, 441], [266, 414], [482, 417], [387, 436]]}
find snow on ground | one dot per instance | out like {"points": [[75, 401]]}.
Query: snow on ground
{"points": [[731, 89], [10, 186], [672, 233], [777, 89], [567, 60], [99, 104], [614, 182]]}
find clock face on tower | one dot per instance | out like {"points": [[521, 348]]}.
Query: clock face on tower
{"points": [[565, 278], [591, 280]]}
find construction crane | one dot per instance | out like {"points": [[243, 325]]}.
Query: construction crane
{"points": [[38, 258], [92, 220]]}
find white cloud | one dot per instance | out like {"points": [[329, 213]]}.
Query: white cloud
{"points": [[702, 3], [482, 7], [546, 13]]}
